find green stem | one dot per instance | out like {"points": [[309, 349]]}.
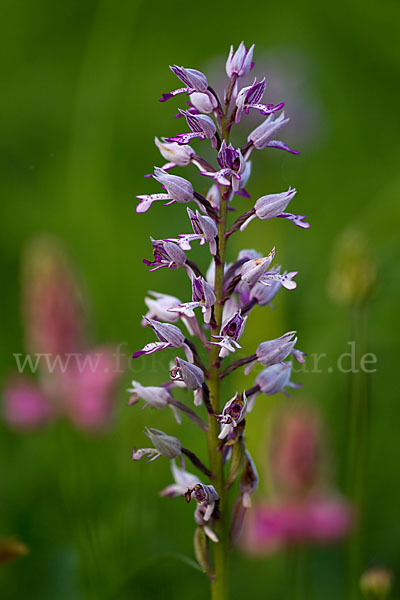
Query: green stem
{"points": [[219, 584], [357, 449]]}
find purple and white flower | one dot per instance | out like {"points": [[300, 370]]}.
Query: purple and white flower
{"points": [[232, 414], [250, 96], [204, 229], [201, 126], [182, 481], [252, 270], [156, 397], [230, 333], [203, 297], [166, 254], [176, 154], [178, 190], [272, 380], [275, 351], [232, 166], [169, 336], [273, 205], [205, 495], [263, 136], [195, 81], [191, 375]]}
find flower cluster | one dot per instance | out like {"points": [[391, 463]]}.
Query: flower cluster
{"points": [[225, 293]]}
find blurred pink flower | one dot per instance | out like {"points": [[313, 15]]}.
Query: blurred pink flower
{"points": [[306, 510], [320, 520], [25, 405], [74, 380], [88, 391], [297, 453]]}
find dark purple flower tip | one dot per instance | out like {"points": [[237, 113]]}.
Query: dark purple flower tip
{"points": [[165, 97]]}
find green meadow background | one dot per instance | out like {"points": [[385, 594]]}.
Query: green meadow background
{"points": [[78, 114]]}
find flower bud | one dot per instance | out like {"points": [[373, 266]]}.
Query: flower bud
{"points": [[241, 62], [166, 445], [201, 553]]}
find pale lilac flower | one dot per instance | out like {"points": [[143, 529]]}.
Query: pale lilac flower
{"points": [[262, 294], [178, 190], [159, 307], [250, 96], [239, 63], [169, 336], [164, 445], [191, 375], [232, 166], [176, 154], [204, 102], [270, 381], [202, 127], [230, 334], [182, 481], [232, 414], [275, 351], [286, 280], [205, 495], [274, 205], [166, 254], [156, 397], [252, 270], [263, 135], [25, 406]]}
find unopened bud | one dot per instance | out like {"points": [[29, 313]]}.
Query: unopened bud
{"points": [[167, 446]]}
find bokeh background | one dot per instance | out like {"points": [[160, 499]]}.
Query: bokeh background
{"points": [[79, 112]]}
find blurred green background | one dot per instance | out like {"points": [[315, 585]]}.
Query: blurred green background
{"points": [[78, 116]]}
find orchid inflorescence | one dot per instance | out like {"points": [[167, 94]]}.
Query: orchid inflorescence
{"points": [[225, 295]]}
